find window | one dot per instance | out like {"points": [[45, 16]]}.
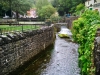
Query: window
{"points": [[95, 1]]}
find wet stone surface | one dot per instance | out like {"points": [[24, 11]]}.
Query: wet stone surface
{"points": [[60, 60]]}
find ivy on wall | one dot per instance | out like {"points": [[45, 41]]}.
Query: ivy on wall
{"points": [[84, 30]]}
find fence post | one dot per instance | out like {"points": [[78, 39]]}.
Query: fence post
{"points": [[1, 31], [22, 28]]}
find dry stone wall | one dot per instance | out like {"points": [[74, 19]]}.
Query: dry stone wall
{"points": [[97, 52], [69, 21], [16, 48]]}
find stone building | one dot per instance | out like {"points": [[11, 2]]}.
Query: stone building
{"points": [[32, 13], [93, 4]]}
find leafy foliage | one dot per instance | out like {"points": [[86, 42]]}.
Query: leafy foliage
{"points": [[84, 30], [40, 3], [55, 17], [80, 7], [20, 6], [66, 5], [46, 11]]}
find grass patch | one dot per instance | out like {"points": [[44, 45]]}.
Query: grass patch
{"points": [[7, 28]]}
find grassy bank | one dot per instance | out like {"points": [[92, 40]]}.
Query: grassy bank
{"points": [[7, 28]]}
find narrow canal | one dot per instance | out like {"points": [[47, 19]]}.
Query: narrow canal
{"points": [[62, 59]]}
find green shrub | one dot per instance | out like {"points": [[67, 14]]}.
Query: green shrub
{"points": [[55, 18], [84, 30]]}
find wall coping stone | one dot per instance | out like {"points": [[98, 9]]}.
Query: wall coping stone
{"points": [[15, 36]]}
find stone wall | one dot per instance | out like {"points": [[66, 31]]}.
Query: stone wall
{"points": [[97, 52], [70, 20], [16, 48]]}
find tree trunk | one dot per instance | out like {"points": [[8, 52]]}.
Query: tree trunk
{"points": [[17, 16]]}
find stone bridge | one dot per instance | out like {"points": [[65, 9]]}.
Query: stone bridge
{"points": [[67, 22]]}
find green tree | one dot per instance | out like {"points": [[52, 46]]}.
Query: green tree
{"points": [[66, 5], [55, 3], [46, 11], [19, 6], [40, 3], [80, 7]]}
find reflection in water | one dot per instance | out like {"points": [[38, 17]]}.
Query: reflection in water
{"points": [[60, 60], [37, 66]]}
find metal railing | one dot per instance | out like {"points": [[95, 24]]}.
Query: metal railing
{"points": [[14, 28], [19, 26]]}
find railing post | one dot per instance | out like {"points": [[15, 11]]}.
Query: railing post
{"points": [[22, 28], [1, 31]]}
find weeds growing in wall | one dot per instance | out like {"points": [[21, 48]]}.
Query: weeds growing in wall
{"points": [[84, 30]]}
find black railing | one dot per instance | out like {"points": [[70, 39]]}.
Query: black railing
{"points": [[30, 19], [20, 28]]}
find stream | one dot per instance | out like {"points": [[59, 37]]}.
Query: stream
{"points": [[61, 59]]}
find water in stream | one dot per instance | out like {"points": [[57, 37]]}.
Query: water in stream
{"points": [[62, 59]]}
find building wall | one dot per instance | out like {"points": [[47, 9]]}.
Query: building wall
{"points": [[95, 5], [32, 13], [98, 1], [16, 50], [97, 8], [88, 3]]}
